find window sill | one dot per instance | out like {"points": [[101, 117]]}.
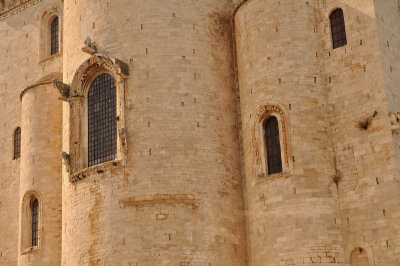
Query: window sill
{"points": [[265, 178], [95, 169], [49, 58], [29, 250]]}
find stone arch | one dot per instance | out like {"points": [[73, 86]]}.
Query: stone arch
{"points": [[359, 257], [263, 113], [45, 32], [337, 19], [26, 220], [16, 143], [87, 72]]}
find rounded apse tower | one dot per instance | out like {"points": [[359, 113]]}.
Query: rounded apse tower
{"points": [[173, 193], [293, 210], [40, 175]]}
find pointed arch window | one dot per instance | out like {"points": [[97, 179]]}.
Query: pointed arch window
{"points": [[102, 124], [35, 222], [17, 143], [338, 28], [54, 36], [273, 146]]}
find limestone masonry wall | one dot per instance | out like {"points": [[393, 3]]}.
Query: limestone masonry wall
{"points": [[293, 216], [178, 199], [19, 43], [196, 82]]}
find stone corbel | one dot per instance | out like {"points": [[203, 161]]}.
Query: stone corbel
{"points": [[67, 160], [394, 118], [63, 88]]}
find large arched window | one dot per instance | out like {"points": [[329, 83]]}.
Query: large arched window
{"points": [[17, 143], [273, 146], [102, 124], [54, 36], [338, 28], [35, 222]]}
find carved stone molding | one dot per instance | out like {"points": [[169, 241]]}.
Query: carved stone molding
{"points": [[16, 7], [84, 76], [262, 114]]}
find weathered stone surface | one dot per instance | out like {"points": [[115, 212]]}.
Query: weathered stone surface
{"points": [[190, 184]]}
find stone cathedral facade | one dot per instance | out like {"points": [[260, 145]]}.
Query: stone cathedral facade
{"points": [[200, 132]]}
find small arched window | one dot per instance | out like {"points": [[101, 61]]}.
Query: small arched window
{"points": [[273, 146], [359, 257], [102, 124], [17, 143], [35, 222], [54, 36], [338, 28]]}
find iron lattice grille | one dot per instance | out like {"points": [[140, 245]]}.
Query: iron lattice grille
{"points": [[35, 222], [102, 124], [273, 146], [338, 29], [54, 36], [17, 143]]}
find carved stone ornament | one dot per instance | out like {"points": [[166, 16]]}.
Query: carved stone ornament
{"points": [[63, 88], [84, 76], [90, 47], [66, 160], [394, 118]]}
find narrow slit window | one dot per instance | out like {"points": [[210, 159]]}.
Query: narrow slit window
{"points": [[17, 143], [35, 222], [338, 29], [54, 36], [273, 149], [102, 124]]}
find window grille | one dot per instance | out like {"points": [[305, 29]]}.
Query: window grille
{"points": [[17, 143], [102, 124], [35, 222], [338, 29], [54, 36], [274, 159]]}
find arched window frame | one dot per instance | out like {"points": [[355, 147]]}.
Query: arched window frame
{"points": [[26, 228], [99, 146], [334, 45], [46, 33], [85, 75], [16, 143], [278, 168], [54, 35], [365, 248], [259, 145]]}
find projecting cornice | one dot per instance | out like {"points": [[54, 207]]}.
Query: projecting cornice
{"points": [[16, 7]]}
